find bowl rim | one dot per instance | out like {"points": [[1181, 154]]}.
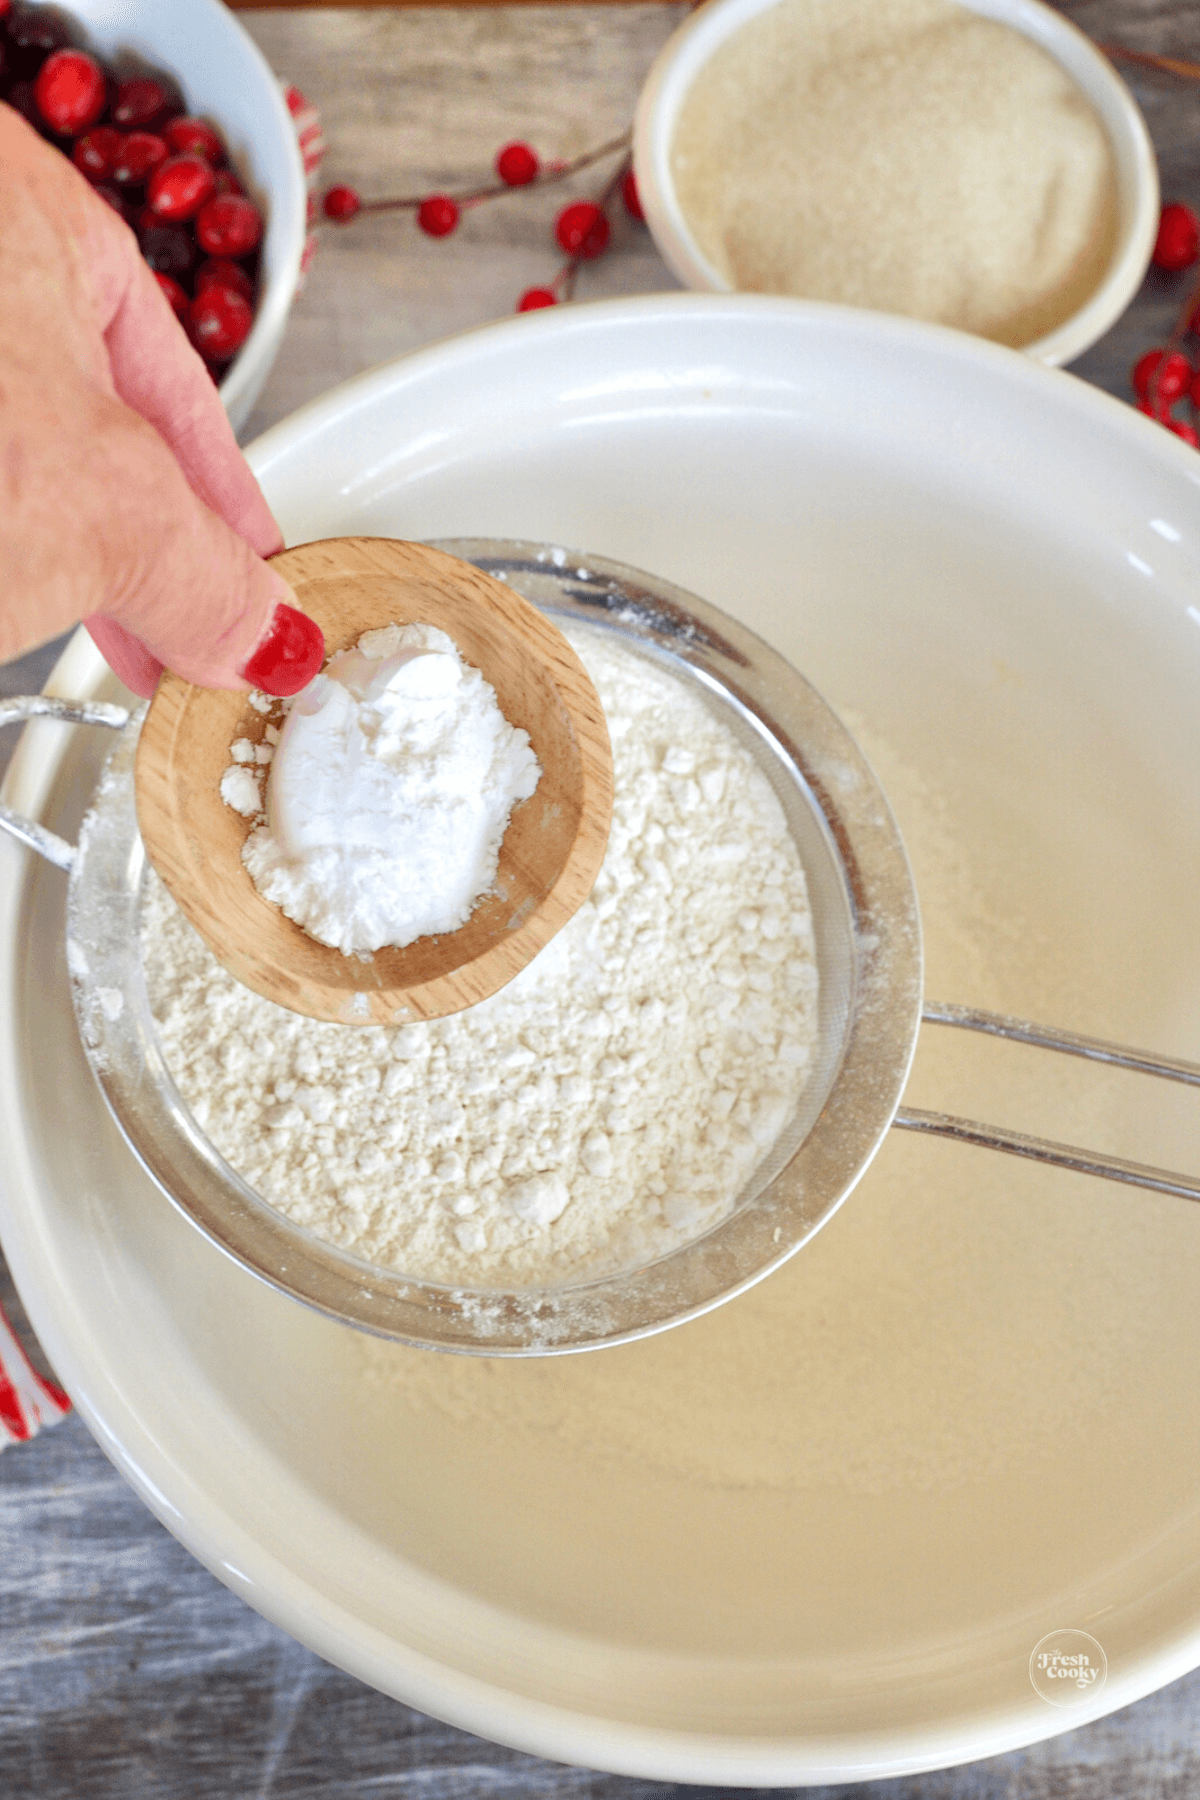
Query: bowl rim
{"points": [[1138, 195], [261, 1573]]}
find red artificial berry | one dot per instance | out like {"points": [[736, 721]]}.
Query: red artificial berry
{"points": [[438, 215], [141, 153], [341, 203], [517, 165], [218, 273], [631, 197], [1184, 431], [534, 298], [228, 225], [173, 291], [139, 102], [194, 137], [95, 153], [582, 230], [1178, 242], [70, 91], [219, 322], [1161, 375], [179, 187], [228, 183]]}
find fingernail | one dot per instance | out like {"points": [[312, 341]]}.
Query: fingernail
{"points": [[289, 656]]}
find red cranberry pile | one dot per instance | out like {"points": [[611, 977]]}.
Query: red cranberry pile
{"points": [[582, 229], [166, 174], [1166, 376]]}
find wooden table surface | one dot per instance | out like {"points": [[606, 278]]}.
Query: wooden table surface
{"points": [[127, 1672]]}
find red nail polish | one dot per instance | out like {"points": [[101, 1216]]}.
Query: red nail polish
{"points": [[290, 654]]}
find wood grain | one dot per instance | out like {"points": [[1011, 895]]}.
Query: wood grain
{"points": [[552, 850]]}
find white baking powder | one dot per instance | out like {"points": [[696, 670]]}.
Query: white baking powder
{"points": [[389, 793], [607, 1105]]}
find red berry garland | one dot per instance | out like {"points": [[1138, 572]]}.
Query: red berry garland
{"points": [[517, 165], [1178, 242], [583, 229], [438, 215], [533, 299]]}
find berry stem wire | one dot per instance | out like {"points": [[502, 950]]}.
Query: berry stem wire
{"points": [[473, 196], [1170, 65]]}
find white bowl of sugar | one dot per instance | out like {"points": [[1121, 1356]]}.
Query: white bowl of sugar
{"points": [[978, 165]]}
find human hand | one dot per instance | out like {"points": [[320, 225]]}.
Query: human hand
{"points": [[124, 499]]}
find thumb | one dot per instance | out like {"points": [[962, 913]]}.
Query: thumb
{"points": [[191, 592]]}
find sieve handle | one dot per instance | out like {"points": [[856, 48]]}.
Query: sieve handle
{"points": [[1045, 1150], [69, 712]]}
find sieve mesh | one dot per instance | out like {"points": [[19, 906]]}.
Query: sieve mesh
{"points": [[868, 948]]}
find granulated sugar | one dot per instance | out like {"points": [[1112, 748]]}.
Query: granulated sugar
{"points": [[606, 1106], [903, 155]]}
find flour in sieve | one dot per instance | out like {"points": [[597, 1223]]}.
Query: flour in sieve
{"points": [[608, 1105]]}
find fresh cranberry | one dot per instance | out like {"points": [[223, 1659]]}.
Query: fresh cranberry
{"points": [[70, 91], [341, 203], [179, 187], [1178, 241], [168, 249], [517, 165], [534, 298], [95, 153], [173, 291], [228, 225], [194, 137], [228, 183], [141, 101], [141, 153], [20, 98], [1161, 375], [582, 230], [438, 215], [219, 322], [218, 273], [33, 32], [631, 197], [114, 198], [1184, 431]]}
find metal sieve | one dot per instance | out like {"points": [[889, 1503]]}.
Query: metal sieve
{"points": [[868, 943]]}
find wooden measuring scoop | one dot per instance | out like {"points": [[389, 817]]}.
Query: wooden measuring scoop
{"points": [[552, 850]]}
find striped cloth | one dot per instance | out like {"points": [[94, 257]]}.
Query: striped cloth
{"points": [[27, 1400]]}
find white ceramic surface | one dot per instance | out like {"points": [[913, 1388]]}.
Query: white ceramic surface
{"points": [[969, 1413], [224, 77], [701, 36]]}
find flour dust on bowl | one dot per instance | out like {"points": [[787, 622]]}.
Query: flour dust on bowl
{"points": [[815, 1534]]}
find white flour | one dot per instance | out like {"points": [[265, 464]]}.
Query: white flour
{"points": [[389, 793], [606, 1106]]}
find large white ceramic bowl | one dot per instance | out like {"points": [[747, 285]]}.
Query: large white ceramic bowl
{"points": [[816, 1535], [224, 77], [701, 37]]}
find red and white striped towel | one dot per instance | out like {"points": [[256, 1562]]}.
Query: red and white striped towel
{"points": [[27, 1400], [310, 136]]}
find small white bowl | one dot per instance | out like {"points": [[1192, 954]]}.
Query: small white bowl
{"points": [[683, 56], [224, 76]]}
